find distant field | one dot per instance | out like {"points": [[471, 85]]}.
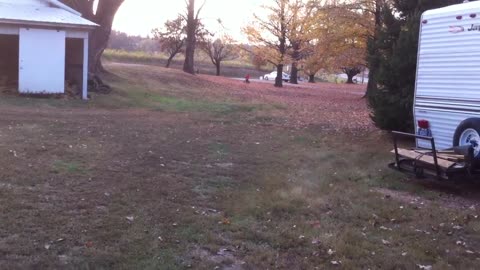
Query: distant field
{"points": [[233, 68]]}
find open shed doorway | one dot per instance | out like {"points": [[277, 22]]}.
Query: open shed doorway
{"points": [[9, 50], [74, 66]]}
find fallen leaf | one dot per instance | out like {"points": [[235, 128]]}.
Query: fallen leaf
{"points": [[226, 221]]}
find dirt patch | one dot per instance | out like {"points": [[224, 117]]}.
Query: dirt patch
{"points": [[224, 258], [402, 196], [444, 200]]}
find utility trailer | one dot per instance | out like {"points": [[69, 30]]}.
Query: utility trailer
{"points": [[450, 164], [447, 96]]}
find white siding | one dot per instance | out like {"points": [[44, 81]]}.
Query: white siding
{"points": [[42, 61], [443, 124], [447, 88]]}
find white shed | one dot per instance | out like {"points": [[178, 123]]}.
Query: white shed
{"points": [[43, 45]]}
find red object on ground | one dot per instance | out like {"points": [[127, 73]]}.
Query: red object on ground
{"points": [[247, 78], [423, 124]]}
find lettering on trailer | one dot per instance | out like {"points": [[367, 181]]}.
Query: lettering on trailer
{"points": [[474, 27], [456, 29]]}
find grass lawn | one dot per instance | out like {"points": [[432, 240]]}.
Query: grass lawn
{"points": [[172, 171]]}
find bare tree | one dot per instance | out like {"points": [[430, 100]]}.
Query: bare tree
{"points": [[171, 38], [104, 15], [218, 50], [193, 24]]}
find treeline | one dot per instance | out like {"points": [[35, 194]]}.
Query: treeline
{"points": [[124, 42], [168, 51], [168, 42]]}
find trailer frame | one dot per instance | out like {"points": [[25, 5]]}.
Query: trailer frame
{"points": [[427, 162]]}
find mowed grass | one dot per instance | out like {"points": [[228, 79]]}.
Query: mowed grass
{"points": [[142, 92], [327, 211], [161, 175]]}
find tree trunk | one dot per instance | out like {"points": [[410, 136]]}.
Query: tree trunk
{"points": [[372, 50], [294, 73], [99, 37], [189, 64], [282, 48], [279, 78], [351, 72], [97, 45], [169, 61], [296, 58], [217, 65], [311, 78], [350, 78]]}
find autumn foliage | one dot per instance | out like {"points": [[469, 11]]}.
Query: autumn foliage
{"points": [[312, 36]]}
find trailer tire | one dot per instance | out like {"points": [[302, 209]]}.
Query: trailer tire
{"points": [[467, 130]]}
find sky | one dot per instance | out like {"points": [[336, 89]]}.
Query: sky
{"points": [[139, 17]]}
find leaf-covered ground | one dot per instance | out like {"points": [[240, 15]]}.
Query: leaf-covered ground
{"points": [[173, 171]]}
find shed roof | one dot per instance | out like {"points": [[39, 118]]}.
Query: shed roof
{"points": [[41, 12]]}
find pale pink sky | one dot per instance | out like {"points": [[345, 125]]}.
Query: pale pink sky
{"points": [[139, 17]]}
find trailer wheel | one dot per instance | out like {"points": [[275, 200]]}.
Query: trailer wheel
{"points": [[468, 133]]}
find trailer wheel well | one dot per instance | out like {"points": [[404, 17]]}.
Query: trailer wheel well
{"points": [[468, 124]]}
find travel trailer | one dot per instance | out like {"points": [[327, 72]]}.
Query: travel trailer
{"points": [[447, 93]]}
